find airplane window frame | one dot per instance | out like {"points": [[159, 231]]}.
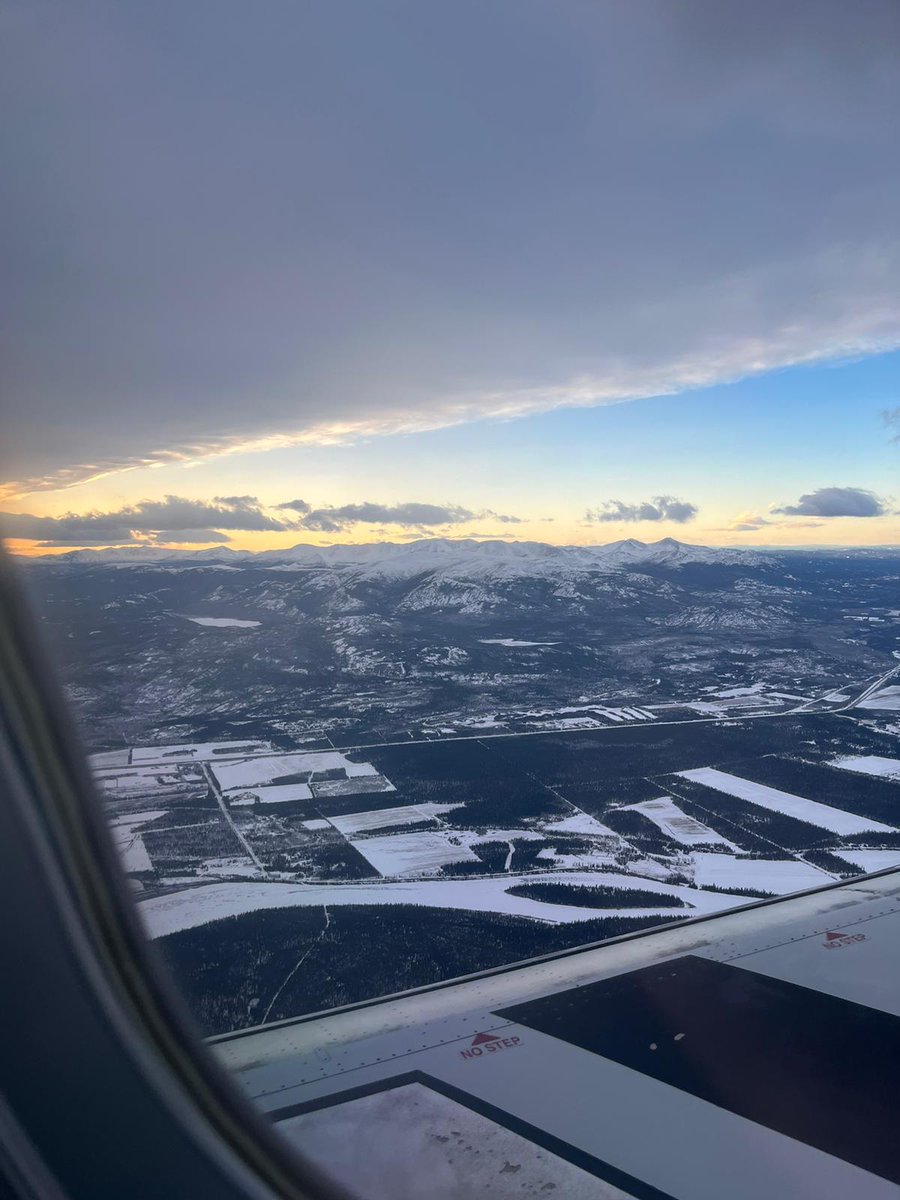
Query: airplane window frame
{"points": [[56, 847]]}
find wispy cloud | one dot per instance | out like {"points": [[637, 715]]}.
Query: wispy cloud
{"points": [[745, 522], [660, 508]]}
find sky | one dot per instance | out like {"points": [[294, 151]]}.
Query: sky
{"points": [[567, 271]]}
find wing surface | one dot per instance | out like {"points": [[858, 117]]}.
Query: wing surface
{"points": [[751, 1055]]}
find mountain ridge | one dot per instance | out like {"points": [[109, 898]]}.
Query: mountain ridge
{"points": [[427, 555]]}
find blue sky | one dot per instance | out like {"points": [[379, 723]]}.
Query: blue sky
{"points": [[730, 450]]}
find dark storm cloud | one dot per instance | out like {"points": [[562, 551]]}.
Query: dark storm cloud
{"points": [[836, 502], [171, 519], [413, 514], [660, 508], [226, 224]]}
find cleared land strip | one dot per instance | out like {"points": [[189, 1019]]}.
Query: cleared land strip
{"points": [[835, 820], [217, 792], [200, 905]]}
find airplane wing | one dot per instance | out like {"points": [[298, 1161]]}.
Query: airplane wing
{"points": [[752, 1055]]}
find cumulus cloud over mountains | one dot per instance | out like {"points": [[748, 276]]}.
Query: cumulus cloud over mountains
{"points": [[660, 508], [836, 502], [332, 518], [176, 519], [173, 518]]}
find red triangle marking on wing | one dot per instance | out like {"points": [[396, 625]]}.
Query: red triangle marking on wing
{"points": [[833, 937], [480, 1038]]}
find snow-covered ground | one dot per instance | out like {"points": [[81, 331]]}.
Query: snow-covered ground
{"points": [[872, 860], [359, 785], [224, 622], [255, 772], [379, 818], [469, 837], [887, 698], [625, 714], [780, 877], [412, 853], [110, 758], [741, 705], [677, 825], [593, 860], [823, 815], [189, 752], [869, 764], [129, 842], [580, 823], [239, 864], [286, 794], [569, 723], [732, 693], [200, 905], [120, 782]]}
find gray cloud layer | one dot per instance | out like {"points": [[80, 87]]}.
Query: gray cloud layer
{"points": [[836, 502], [660, 508], [180, 520], [225, 224], [172, 519], [331, 519]]}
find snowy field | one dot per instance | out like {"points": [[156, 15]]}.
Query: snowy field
{"points": [[872, 860], [887, 698], [742, 706], [256, 772], [568, 723], [778, 876], [109, 758], [359, 785], [190, 752], [200, 905], [412, 853], [823, 815], [677, 825], [286, 794], [133, 781], [593, 860], [129, 842], [233, 864], [224, 622], [869, 764], [580, 822], [625, 714], [362, 822]]}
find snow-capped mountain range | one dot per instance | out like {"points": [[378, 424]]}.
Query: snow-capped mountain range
{"points": [[464, 558]]}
